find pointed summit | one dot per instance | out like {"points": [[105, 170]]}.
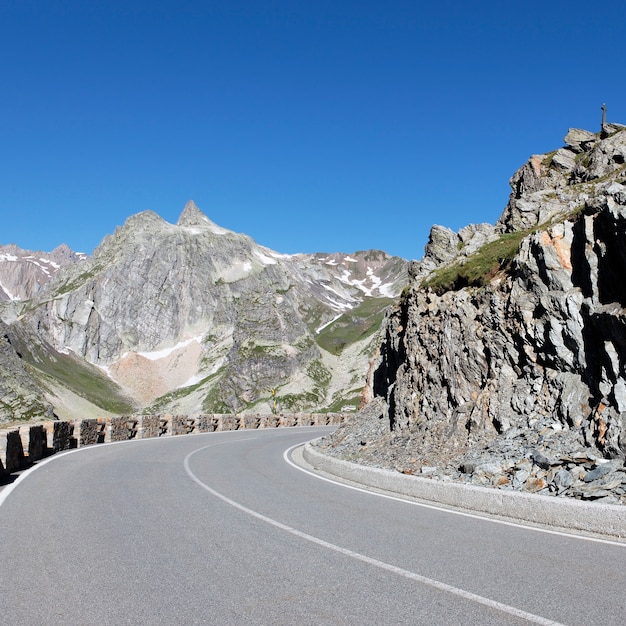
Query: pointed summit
{"points": [[193, 217]]}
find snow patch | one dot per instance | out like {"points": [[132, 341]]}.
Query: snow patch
{"points": [[329, 288], [323, 326], [374, 281], [247, 266], [345, 303], [342, 306], [161, 354], [49, 262], [359, 284], [194, 380], [387, 290], [265, 259], [349, 259], [214, 228], [345, 277], [8, 293], [8, 257], [45, 270]]}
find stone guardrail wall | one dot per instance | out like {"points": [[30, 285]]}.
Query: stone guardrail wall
{"points": [[22, 446]]}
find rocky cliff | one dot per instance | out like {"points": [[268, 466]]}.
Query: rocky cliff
{"points": [[191, 317], [504, 363], [21, 398]]}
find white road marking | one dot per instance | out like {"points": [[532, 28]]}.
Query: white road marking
{"points": [[4, 494], [5, 491], [492, 604], [434, 507]]}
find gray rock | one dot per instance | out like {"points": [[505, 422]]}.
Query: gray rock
{"points": [[21, 397], [598, 472], [532, 362], [579, 140], [489, 469], [25, 273], [520, 477], [540, 459], [443, 244], [474, 236], [563, 160], [563, 479]]}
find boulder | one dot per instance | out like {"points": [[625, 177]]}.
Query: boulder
{"points": [[579, 140]]}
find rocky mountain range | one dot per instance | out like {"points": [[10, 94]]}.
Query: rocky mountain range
{"points": [[504, 363], [187, 318], [23, 273]]}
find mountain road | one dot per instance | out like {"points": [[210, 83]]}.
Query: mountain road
{"points": [[221, 528]]}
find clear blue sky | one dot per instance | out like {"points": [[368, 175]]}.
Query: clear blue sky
{"points": [[310, 126]]}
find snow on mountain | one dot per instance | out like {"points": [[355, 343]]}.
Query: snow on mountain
{"points": [[192, 317], [23, 273]]}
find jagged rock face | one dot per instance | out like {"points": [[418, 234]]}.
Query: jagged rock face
{"points": [[192, 317], [20, 395], [23, 273], [552, 184], [547, 343], [445, 247], [533, 364]]}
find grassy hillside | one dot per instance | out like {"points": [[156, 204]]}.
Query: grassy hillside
{"points": [[353, 325], [85, 380]]}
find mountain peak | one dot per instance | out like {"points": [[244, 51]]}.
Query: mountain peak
{"points": [[193, 217]]}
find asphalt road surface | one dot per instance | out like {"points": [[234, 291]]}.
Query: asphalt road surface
{"points": [[221, 529]]}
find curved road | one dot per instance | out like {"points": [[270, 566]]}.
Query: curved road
{"points": [[220, 529]]}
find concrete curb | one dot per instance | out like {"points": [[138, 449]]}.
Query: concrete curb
{"points": [[563, 513]]}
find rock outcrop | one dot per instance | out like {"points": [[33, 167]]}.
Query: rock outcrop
{"points": [[507, 366]]}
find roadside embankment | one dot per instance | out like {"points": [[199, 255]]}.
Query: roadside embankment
{"points": [[559, 513]]}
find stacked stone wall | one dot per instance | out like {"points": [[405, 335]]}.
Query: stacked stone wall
{"points": [[23, 446], [63, 436]]}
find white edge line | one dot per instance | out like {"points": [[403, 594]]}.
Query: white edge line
{"points": [[4, 493], [443, 509], [441, 586]]}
